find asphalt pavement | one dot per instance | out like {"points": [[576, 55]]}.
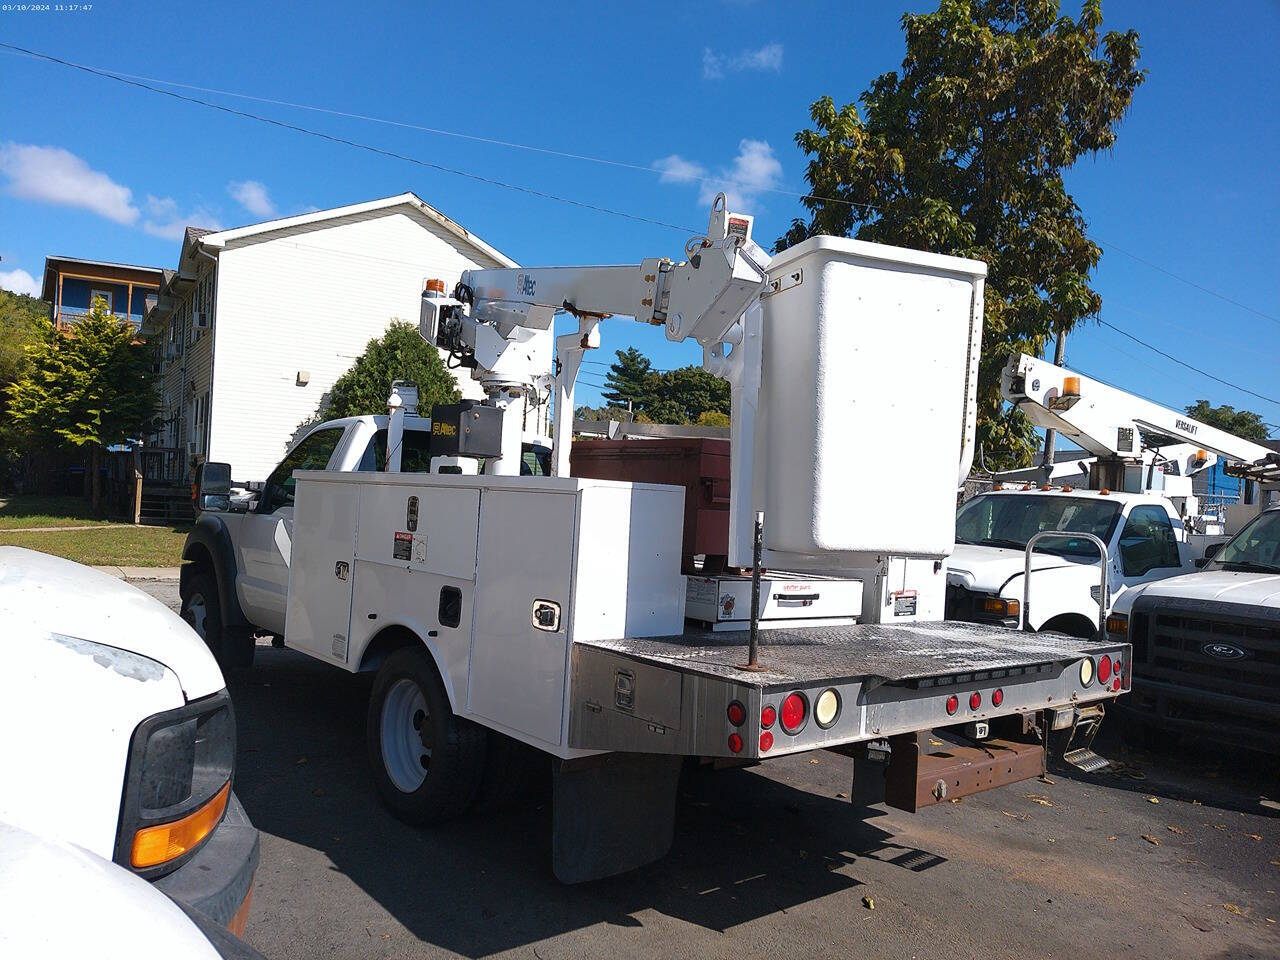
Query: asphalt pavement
{"points": [[1177, 854]]}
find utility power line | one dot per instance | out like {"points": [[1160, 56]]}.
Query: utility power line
{"points": [[1183, 363], [347, 142]]}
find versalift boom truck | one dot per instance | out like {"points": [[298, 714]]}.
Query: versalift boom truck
{"points": [[1130, 493], [551, 609]]}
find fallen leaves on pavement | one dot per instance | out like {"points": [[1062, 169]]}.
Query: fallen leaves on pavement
{"points": [[1232, 908], [1154, 841], [868, 903], [1153, 799], [1042, 800], [1177, 830]]}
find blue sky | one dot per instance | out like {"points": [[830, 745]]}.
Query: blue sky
{"points": [[717, 88]]}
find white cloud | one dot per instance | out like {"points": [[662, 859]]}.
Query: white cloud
{"points": [[716, 65], [252, 195], [165, 221], [55, 175], [753, 171], [19, 281], [676, 169]]}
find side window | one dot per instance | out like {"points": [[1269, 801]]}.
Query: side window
{"points": [[313, 453], [1147, 541]]}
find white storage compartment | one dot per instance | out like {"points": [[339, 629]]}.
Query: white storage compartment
{"points": [[870, 353]]}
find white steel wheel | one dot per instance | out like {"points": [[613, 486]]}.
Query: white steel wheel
{"points": [[406, 735]]}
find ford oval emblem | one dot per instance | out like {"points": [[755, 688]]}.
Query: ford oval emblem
{"points": [[1224, 651]]}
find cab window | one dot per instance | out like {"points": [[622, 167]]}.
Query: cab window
{"points": [[1147, 541], [416, 457], [312, 453]]}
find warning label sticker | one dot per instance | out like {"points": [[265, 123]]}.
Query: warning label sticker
{"points": [[402, 549]]}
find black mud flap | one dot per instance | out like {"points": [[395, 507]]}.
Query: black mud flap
{"points": [[612, 814]]}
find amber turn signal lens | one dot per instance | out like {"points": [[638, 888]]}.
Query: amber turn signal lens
{"points": [[167, 841], [1001, 608], [1118, 624]]}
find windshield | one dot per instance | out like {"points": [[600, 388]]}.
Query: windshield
{"points": [[1256, 547], [1010, 521]]}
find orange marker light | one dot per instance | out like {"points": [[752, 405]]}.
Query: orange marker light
{"points": [[167, 841], [435, 286], [1071, 386]]}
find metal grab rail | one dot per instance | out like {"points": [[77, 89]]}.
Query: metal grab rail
{"points": [[1026, 576]]}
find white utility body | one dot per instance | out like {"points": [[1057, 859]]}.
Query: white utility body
{"points": [[1140, 459], [551, 610]]}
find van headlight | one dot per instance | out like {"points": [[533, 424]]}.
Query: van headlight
{"points": [[177, 784]]}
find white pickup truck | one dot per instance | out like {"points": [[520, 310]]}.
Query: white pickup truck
{"points": [[118, 738], [1206, 646], [235, 578], [986, 576]]}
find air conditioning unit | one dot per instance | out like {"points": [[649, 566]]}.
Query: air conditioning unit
{"points": [[200, 320]]}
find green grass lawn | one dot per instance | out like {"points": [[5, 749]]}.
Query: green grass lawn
{"points": [[45, 511], [121, 546]]}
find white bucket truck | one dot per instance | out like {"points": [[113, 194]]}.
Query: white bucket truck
{"points": [[551, 609], [1131, 489]]}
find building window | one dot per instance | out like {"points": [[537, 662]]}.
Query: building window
{"points": [[107, 295]]}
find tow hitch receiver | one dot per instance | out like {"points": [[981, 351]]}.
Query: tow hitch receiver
{"points": [[917, 778]]}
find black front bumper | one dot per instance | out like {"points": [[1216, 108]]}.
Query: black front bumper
{"points": [[218, 878], [1212, 716]]}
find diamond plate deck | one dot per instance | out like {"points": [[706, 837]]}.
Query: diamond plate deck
{"points": [[888, 652]]}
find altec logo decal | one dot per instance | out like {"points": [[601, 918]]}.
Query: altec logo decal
{"points": [[1224, 651]]}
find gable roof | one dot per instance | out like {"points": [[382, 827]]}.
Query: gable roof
{"points": [[216, 240]]}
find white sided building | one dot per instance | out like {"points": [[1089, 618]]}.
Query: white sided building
{"points": [[258, 322]]}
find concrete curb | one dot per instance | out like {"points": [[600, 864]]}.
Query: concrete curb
{"points": [[141, 573]]}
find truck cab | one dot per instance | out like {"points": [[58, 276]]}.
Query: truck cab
{"points": [[236, 577], [1143, 533], [1206, 645]]}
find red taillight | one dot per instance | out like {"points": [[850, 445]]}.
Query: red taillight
{"points": [[953, 704], [975, 700], [737, 714], [997, 697], [768, 717], [1104, 668], [766, 741], [735, 743], [795, 710], [1115, 684]]}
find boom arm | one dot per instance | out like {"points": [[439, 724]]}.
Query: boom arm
{"points": [[1112, 424], [487, 323]]}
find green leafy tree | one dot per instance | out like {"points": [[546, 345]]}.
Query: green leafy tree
{"points": [[20, 318], [631, 378], [712, 418], [963, 151], [684, 395], [20, 325], [399, 354], [89, 387], [595, 414], [1240, 423]]}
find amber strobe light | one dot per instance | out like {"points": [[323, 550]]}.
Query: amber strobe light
{"points": [[167, 841]]}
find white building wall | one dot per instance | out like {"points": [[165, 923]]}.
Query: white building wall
{"points": [[310, 299]]}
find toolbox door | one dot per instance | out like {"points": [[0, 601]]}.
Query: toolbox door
{"points": [[518, 665], [318, 616]]}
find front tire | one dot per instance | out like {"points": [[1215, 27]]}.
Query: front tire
{"points": [[203, 612], [427, 762]]}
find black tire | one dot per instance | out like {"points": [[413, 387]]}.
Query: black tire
{"points": [[203, 611], [1072, 626], [455, 755]]}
